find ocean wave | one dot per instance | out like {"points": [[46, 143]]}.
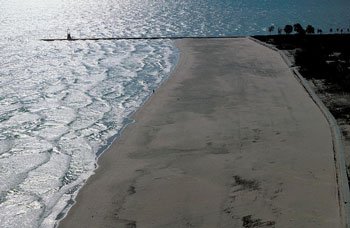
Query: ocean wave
{"points": [[59, 113]]}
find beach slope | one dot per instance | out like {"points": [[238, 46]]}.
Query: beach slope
{"points": [[231, 139]]}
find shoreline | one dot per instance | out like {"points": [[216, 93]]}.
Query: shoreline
{"points": [[137, 164], [128, 120]]}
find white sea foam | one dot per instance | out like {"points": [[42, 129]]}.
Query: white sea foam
{"points": [[57, 114]]}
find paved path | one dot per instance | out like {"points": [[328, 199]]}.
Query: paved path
{"points": [[229, 140]]}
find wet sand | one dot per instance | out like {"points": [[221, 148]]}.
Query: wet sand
{"points": [[231, 139]]}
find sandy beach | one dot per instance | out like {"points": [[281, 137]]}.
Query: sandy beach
{"points": [[231, 139]]}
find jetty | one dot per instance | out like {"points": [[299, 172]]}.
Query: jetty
{"points": [[143, 38]]}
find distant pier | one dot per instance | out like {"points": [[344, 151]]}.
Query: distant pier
{"points": [[143, 38]]}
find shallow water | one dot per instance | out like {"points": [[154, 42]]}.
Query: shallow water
{"points": [[60, 102]]}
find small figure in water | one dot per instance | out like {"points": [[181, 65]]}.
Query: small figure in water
{"points": [[69, 37]]}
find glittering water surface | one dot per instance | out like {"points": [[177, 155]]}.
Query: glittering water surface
{"points": [[60, 102]]}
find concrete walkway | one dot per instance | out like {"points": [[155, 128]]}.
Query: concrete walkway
{"points": [[231, 139]]}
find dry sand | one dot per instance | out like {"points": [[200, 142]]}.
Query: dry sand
{"points": [[231, 139]]}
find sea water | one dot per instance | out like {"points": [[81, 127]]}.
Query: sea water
{"points": [[62, 102]]}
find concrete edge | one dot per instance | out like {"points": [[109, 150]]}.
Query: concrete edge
{"points": [[342, 178]]}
